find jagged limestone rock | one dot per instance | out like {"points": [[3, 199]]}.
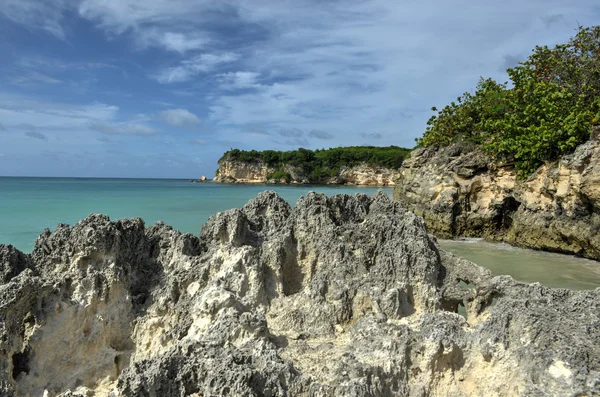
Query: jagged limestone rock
{"points": [[12, 262], [339, 296]]}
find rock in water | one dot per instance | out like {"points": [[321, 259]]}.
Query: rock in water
{"points": [[340, 296]]}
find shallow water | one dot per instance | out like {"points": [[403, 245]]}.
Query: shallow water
{"points": [[552, 270]]}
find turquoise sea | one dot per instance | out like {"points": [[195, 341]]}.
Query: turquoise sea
{"points": [[29, 205]]}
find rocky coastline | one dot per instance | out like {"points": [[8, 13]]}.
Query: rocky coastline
{"points": [[258, 173], [338, 296], [461, 192]]}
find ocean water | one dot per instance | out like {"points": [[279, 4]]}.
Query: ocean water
{"points": [[29, 205]]}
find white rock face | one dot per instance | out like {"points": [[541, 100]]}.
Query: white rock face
{"points": [[242, 172], [340, 296], [247, 172]]}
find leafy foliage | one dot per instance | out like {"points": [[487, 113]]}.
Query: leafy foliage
{"points": [[547, 110], [278, 175], [321, 164]]}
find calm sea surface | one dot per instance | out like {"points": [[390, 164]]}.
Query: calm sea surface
{"points": [[28, 205]]}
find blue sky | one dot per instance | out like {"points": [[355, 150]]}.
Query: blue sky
{"points": [[161, 88]]}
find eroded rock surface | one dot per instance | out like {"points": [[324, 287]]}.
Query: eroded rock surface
{"points": [[340, 296], [257, 172], [461, 192]]}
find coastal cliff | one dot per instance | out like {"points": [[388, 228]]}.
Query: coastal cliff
{"points": [[248, 172], [356, 165], [460, 191], [337, 296]]}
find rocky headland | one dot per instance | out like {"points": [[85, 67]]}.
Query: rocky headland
{"points": [[460, 191], [352, 165], [231, 171], [338, 296]]}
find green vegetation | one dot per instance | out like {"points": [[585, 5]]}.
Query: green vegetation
{"points": [[321, 163], [548, 108], [278, 175]]}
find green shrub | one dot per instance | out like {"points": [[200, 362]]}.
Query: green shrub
{"points": [[549, 109], [279, 175]]}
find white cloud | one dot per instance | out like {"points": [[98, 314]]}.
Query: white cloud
{"points": [[173, 41], [118, 16], [179, 117], [16, 111], [124, 129], [41, 14], [194, 66], [33, 78], [238, 80]]}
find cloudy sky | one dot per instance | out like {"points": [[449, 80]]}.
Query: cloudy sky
{"points": [[160, 88]]}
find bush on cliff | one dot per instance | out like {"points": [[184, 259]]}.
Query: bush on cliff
{"points": [[547, 110], [321, 164], [279, 175]]}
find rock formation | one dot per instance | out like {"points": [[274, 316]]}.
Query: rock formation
{"points": [[461, 192], [202, 179], [257, 172], [340, 296]]}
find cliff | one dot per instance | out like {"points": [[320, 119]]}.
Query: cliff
{"points": [[461, 192], [259, 172], [352, 165], [340, 296]]}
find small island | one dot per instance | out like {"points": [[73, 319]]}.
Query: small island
{"points": [[355, 165]]}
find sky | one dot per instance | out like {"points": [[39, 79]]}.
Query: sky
{"points": [[161, 88]]}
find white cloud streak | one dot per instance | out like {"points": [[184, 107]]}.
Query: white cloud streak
{"points": [[238, 80], [41, 14], [179, 118], [132, 129], [16, 111], [192, 67]]}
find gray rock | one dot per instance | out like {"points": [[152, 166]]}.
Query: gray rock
{"points": [[339, 296], [12, 262]]}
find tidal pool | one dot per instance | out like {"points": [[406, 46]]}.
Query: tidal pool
{"points": [[550, 269]]}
